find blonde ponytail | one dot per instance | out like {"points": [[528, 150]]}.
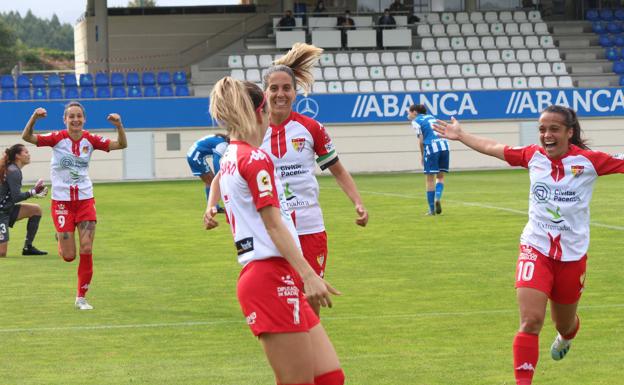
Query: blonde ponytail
{"points": [[298, 63], [232, 108]]}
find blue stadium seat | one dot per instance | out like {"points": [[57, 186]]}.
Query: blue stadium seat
{"points": [[166, 91], [132, 79], [606, 41], [135, 92], [69, 80], [606, 14], [618, 40], [101, 79], [182, 90], [24, 94], [7, 81], [119, 92], [592, 15], [38, 81], [598, 27], [86, 80], [618, 67], [8, 94], [117, 79], [614, 27], [164, 79], [150, 92], [54, 81], [87, 93], [71, 93], [40, 93], [102, 93], [179, 78], [148, 79], [23, 81], [619, 14], [622, 80], [612, 54], [55, 93]]}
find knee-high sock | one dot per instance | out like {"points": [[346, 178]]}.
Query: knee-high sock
{"points": [[438, 191], [526, 354], [431, 199], [31, 229], [335, 377], [85, 272]]}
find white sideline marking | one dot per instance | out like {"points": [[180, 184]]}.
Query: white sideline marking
{"points": [[476, 204], [241, 321]]}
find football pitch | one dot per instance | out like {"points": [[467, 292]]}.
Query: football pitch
{"points": [[425, 300]]}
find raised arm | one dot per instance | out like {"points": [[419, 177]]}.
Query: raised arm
{"points": [[121, 141], [347, 184], [316, 289], [213, 199], [27, 134], [454, 131]]}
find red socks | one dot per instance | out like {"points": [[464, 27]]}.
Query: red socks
{"points": [[526, 354], [335, 377], [85, 272]]}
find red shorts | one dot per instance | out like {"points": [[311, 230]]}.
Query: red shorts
{"points": [[314, 249], [563, 282], [271, 297], [66, 214]]}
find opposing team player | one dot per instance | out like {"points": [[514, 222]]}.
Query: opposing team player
{"points": [[554, 243], [297, 144], [434, 152], [11, 164], [209, 146], [73, 204], [275, 275]]}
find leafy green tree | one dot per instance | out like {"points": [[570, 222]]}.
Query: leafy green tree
{"points": [[7, 48], [141, 3]]}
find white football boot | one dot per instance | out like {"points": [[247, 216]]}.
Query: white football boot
{"points": [[82, 304], [560, 348]]}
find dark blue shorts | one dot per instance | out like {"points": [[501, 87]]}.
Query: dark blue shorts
{"points": [[437, 162], [199, 166]]}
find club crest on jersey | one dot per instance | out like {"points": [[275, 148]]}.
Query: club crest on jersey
{"points": [[320, 259], [265, 188], [577, 170], [298, 144]]}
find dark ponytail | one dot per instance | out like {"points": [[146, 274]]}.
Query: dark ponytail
{"points": [[8, 158], [571, 121]]}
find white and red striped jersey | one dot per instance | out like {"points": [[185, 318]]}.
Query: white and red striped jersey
{"points": [[70, 163], [248, 183], [561, 190], [295, 147]]}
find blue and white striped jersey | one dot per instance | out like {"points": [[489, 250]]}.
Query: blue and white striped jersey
{"points": [[431, 141]]}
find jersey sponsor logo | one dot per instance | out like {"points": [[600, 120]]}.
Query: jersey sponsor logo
{"points": [[577, 170], [541, 192], [251, 318], [265, 188], [244, 245], [291, 170], [308, 107], [556, 216], [298, 144], [565, 196], [256, 155], [85, 149]]}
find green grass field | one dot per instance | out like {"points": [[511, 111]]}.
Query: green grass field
{"points": [[426, 300]]}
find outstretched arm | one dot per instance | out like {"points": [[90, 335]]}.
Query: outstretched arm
{"points": [[454, 131], [213, 199], [121, 141], [347, 184], [27, 134]]}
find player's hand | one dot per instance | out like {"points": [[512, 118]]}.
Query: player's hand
{"points": [[37, 188], [362, 219], [115, 119], [39, 113], [209, 218], [42, 194], [317, 290], [452, 130]]}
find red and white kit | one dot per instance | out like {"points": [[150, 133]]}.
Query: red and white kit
{"points": [[561, 191], [295, 146], [70, 163], [270, 292]]}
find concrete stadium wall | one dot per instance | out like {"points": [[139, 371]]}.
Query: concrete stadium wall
{"points": [[362, 148]]}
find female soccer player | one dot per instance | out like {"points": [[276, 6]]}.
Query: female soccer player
{"points": [[296, 144], [11, 164], [210, 145], [275, 275], [554, 243], [72, 191]]}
